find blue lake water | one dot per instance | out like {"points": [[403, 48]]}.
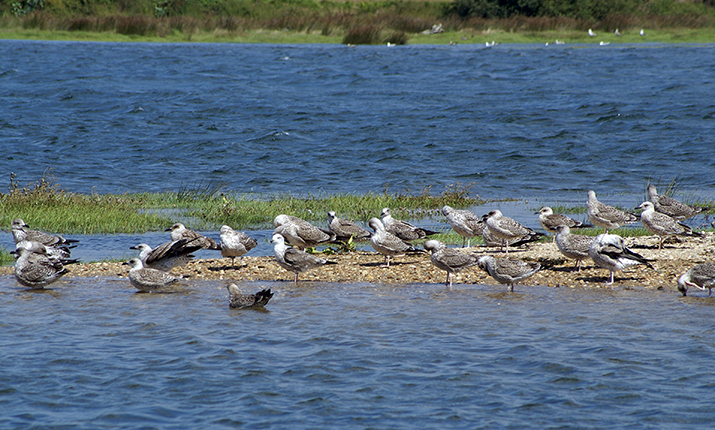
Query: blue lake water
{"points": [[543, 124]]}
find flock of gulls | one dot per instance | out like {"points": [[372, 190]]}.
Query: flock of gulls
{"points": [[41, 257]]}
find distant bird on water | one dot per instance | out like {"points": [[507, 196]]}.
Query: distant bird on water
{"points": [[235, 243], [507, 271], [573, 246], [506, 229], [238, 300], [465, 223], [293, 259], [671, 207], [179, 231], [387, 243], [701, 276], [301, 233], [35, 268], [448, 259], [606, 216], [167, 255], [609, 252], [345, 229], [662, 225], [148, 280], [403, 229]]}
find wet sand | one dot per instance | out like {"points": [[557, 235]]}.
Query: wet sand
{"points": [[367, 267]]}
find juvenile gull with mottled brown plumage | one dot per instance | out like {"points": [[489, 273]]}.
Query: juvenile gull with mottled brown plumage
{"points": [[235, 243], [671, 207], [448, 259], [148, 280], [507, 229], [293, 259], [605, 216], [507, 271], [662, 225], [300, 233], [573, 246], [345, 229], [167, 255], [403, 229], [179, 231], [238, 300], [465, 223]]}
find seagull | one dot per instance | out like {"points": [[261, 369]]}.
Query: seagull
{"points": [[506, 229], [490, 240], [701, 276], [20, 232], [605, 216], [602, 43], [671, 207], [573, 246], [403, 229], [507, 270], [662, 225], [167, 255], [642, 32], [387, 243], [591, 33], [35, 268], [179, 231], [609, 252], [465, 223], [549, 220], [235, 243], [617, 33], [448, 259], [293, 259], [301, 233], [238, 300], [148, 280], [345, 229]]}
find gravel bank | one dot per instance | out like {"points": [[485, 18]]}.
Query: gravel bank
{"points": [[670, 262]]}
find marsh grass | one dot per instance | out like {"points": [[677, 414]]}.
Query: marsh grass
{"points": [[44, 205]]}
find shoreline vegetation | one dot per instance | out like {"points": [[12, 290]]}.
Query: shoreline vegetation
{"points": [[46, 206], [361, 22]]}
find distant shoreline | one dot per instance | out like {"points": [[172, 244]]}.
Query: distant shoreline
{"points": [[466, 37]]}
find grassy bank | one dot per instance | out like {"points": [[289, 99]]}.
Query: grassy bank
{"points": [[359, 22], [44, 205]]}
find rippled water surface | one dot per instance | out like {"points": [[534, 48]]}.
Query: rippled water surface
{"points": [[518, 121], [544, 123], [95, 354]]}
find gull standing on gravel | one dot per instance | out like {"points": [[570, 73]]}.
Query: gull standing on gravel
{"points": [[609, 252], [167, 255], [662, 225], [549, 220], [701, 276], [179, 231], [235, 243], [573, 246], [35, 268], [345, 229], [448, 259], [20, 232], [507, 270], [403, 229], [387, 243], [605, 216], [238, 300], [148, 280], [301, 233], [295, 260], [671, 207], [465, 223], [506, 229]]}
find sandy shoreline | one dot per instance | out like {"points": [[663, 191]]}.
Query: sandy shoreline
{"points": [[365, 267]]}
